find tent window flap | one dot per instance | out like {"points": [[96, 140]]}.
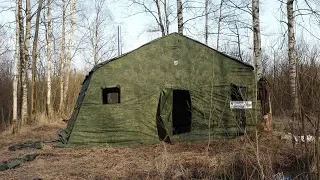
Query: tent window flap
{"points": [[111, 95]]}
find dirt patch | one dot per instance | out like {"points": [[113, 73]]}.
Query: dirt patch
{"points": [[197, 160]]}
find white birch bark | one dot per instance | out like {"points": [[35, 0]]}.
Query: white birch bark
{"points": [[96, 34], [49, 107], [95, 43], [206, 21], [165, 7], [23, 69], [160, 18], [16, 72], [292, 58], [62, 59], [180, 17], [256, 39], [219, 23]]}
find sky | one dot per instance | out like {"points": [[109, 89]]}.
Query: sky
{"points": [[271, 28], [134, 27]]}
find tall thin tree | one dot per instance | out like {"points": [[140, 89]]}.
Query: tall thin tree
{"points": [[95, 43], [16, 73], [292, 58], [62, 58], [256, 38], [219, 23], [180, 17], [206, 26], [27, 55], [23, 69], [49, 36], [166, 14], [34, 58], [163, 32]]}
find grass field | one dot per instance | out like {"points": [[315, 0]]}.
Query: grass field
{"points": [[232, 159]]}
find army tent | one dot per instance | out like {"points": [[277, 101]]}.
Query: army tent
{"points": [[173, 88]]}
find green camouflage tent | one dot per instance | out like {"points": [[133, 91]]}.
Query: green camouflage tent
{"points": [[171, 89]]}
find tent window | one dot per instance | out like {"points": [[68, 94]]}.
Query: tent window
{"points": [[238, 93], [111, 95]]}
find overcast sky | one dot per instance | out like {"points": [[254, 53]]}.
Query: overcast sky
{"points": [[270, 15], [134, 27]]}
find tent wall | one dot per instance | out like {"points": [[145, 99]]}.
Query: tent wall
{"points": [[173, 62]]}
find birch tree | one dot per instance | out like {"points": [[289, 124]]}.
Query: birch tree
{"points": [[23, 69], [34, 57], [256, 38], [219, 23], [49, 41], [16, 72], [166, 13], [160, 18], [180, 17], [62, 58], [26, 59], [206, 26], [292, 58], [95, 39]]}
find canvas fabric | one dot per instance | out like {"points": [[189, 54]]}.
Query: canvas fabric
{"points": [[146, 77]]}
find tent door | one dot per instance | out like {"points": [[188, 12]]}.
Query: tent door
{"points": [[164, 115], [173, 113], [181, 112]]}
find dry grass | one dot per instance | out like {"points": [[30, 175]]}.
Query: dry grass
{"points": [[235, 158]]}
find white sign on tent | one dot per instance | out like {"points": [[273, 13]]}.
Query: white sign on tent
{"points": [[240, 104]]}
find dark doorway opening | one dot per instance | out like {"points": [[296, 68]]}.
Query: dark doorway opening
{"points": [[181, 112]]}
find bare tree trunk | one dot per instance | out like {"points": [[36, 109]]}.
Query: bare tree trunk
{"points": [[238, 42], [49, 107], [166, 15], [219, 23], [206, 35], [96, 36], [292, 59], [180, 17], [267, 116], [34, 58], [119, 46], [256, 38], [23, 70], [73, 7], [95, 48], [62, 58], [16, 75], [160, 18]]}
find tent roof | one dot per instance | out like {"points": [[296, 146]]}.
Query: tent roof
{"points": [[172, 34]]}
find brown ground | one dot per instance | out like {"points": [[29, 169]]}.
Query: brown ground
{"points": [[163, 161]]}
